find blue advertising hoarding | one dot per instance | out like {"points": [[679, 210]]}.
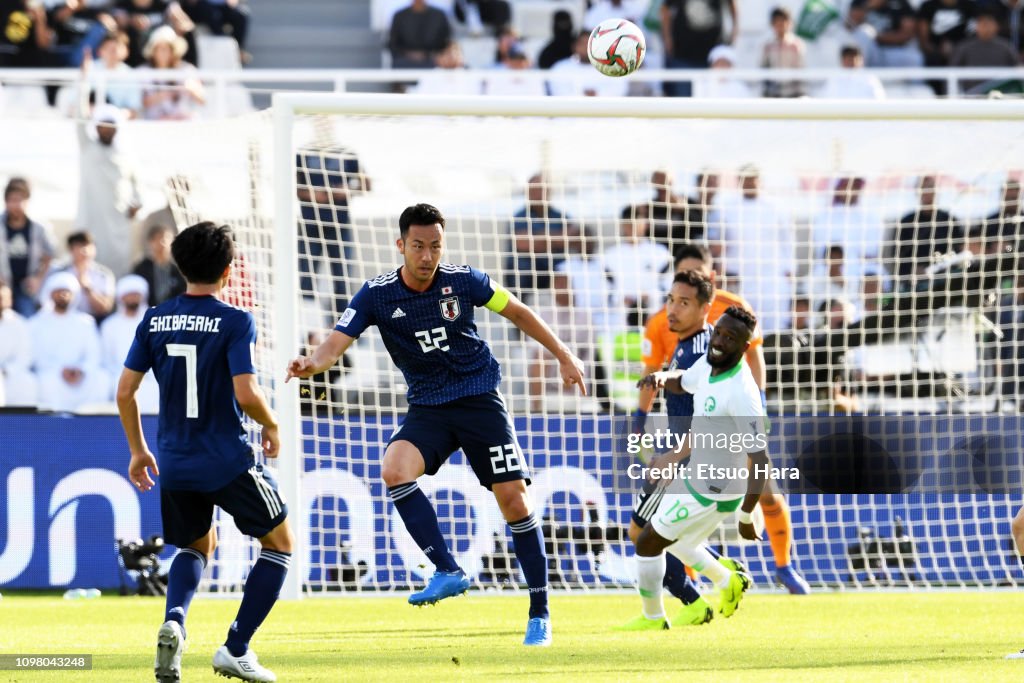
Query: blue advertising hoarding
{"points": [[64, 499]]}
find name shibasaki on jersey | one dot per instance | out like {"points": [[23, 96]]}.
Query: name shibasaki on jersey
{"points": [[687, 352], [431, 335], [195, 346]]}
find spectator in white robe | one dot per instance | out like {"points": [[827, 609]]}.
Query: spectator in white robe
{"points": [[17, 383], [108, 194], [722, 59], [66, 349], [117, 333], [852, 83]]}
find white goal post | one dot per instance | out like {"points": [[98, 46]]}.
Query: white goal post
{"points": [[594, 157]]}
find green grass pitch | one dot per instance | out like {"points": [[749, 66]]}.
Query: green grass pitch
{"points": [[827, 637]]}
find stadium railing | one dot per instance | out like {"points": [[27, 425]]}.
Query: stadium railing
{"points": [[901, 82]]}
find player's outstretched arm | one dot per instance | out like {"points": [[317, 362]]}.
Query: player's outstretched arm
{"points": [[250, 397], [756, 462], [669, 380], [647, 394], [570, 367], [128, 409], [324, 358]]}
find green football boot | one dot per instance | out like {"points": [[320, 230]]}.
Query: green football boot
{"points": [[696, 613], [642, 623], [732, 594]]}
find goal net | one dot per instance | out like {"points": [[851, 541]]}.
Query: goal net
{"points": [[877, 245]]}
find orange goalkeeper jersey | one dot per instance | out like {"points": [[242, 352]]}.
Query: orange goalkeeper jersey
{"points": [[660, 342]]}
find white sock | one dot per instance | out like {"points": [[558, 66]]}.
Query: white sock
{"points": [[704, 562], [650, 574]]}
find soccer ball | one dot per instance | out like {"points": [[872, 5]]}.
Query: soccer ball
{"points": [[616, 47]]}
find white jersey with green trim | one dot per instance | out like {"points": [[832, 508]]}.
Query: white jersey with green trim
{"points": [[728, 423]]}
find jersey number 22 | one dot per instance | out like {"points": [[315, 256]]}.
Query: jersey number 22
{"points": [[433, 339]]}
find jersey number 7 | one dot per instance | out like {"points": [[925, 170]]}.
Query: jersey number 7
{"points": [[188, 352]]}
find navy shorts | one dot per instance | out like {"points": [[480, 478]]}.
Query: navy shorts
{"points": [[251, 499], [647, 502], [479, 425]]}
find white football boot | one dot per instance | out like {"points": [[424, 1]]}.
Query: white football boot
{"points": [[245, 667], [170, 644]]}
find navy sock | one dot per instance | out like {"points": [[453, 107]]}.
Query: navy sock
{"points": [[677, 582], [421, 522], [182, 582], [529, 545], [261, 591]]}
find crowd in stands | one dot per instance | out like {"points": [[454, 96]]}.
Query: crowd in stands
{"points": [[53, 33], [703, 34], [859, 278], [865, 279], [115, 36], [66, 323]]}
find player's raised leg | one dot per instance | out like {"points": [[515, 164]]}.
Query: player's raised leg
{"points": [[403, 464], [528, 541]]}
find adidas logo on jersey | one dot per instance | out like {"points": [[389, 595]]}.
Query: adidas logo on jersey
{"points": [[399, 313]]}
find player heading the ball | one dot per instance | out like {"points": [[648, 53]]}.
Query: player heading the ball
{"points": [[200, 350], [425, 313]]}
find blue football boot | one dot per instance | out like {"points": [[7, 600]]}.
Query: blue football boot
{"points": [[441, 585]]}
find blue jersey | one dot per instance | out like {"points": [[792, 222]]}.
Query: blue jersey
{"points": [[687, 352], [195, 346], [430, 335]]}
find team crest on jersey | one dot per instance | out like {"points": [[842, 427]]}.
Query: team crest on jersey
{"points": [[450, 308], [709, 404]]}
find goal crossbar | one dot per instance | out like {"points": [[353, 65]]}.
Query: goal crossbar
{"points": [[660, 108]]}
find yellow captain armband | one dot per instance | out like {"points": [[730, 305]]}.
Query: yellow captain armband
{"points": [[499, 301]]}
